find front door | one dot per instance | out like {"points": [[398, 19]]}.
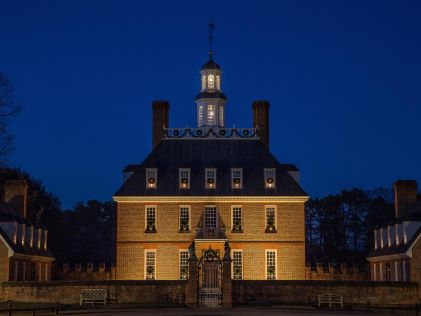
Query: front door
{"points": [[210, 283]]}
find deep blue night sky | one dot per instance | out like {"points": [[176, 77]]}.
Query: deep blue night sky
{"points": [[343, 79]]}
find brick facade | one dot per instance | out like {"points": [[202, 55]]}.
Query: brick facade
{"points": [[288, 241]]}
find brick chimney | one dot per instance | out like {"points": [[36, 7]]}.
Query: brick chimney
{"points": [[16, 193], [261, 120], [405, 193], [160, 113]]}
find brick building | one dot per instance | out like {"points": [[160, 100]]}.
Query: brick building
{"points": [[210, 192], [396, 255], [24, 253]]}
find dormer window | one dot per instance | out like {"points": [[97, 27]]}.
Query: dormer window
{"points": [[270, 178], [151, 178], [184, 178], [211, 82], [376, 244], [210, 175], [236, 178]]}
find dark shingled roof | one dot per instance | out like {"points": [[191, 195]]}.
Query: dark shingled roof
{"points": [[250, 155], [211, 65]]}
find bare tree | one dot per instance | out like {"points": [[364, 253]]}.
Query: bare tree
{"points": [[8, 109]]}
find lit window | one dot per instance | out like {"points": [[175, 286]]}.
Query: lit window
{"points": [[218, 82], [150, 264], [210, 217], [271, 264], [237, 225], [237, 178], [270, 219], [270, 178], [211, 114], [184, 176], [210, 175], [211, 82], [237, 264], [184, 264], [151, 178], [184, 218], [200, 115], [221, 116], [150, 219], [203, 83]]}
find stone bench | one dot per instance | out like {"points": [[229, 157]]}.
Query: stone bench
{"points": [[330, 299], [92, 296]]}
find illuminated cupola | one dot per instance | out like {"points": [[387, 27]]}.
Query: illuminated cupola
{"points": [[210, 101]]}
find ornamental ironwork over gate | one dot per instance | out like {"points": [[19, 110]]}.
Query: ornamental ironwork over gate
{"points": [[210, 279]]}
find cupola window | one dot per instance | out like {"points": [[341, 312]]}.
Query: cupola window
{"points": [[270, 176], [211, 82], [151, 178], [184, 176], [210, 175], [211, 114], [203, 83], [237, 178], [218, 82]]}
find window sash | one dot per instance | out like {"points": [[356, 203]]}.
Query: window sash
{"points": [[184, 264], [184, 223], [210, 217], [237, 220], [270, 214], [150, 264], [184, 178], [150, 217], [270, 174], [151, 173], [236, 178], [210, 178], [270, 264], [237, 264]]}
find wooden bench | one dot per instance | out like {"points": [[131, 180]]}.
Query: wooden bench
{"points": [[330, 299], [92, 296]]}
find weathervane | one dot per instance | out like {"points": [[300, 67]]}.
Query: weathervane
{"points": [[211, 28]]}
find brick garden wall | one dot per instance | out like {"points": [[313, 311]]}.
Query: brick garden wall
{"points": [[278, 292], [154, 293]]}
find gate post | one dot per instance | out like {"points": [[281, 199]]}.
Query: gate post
{"points": [[192, 289], [226, 278]]}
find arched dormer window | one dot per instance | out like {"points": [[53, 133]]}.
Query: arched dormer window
{"points": [[211, 82]]}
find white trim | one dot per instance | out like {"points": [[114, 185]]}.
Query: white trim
{"points": [[388, 257], [146, 215], [218, 199], [241, 178], [276, 215], [144, 265], [41, 258], [179, 216], [206, 178], [242, 263], [10, 251], [266, 176], [179, 261], [232, 215], [180, 186], [374, 272], [46, 271], [276, 263], [154, 175]]}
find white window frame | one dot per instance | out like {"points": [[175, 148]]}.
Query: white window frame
{"points": [[240, 184], [216, 216], [181, 184], [207, 177], [233, 251], [211, 82], [376, 243], [151, 173], [270, 173], [180, 260], [146, 215], [188, 207], [211, 108], [146, 264], [235, 208], [275, 224], [266, 263]]}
